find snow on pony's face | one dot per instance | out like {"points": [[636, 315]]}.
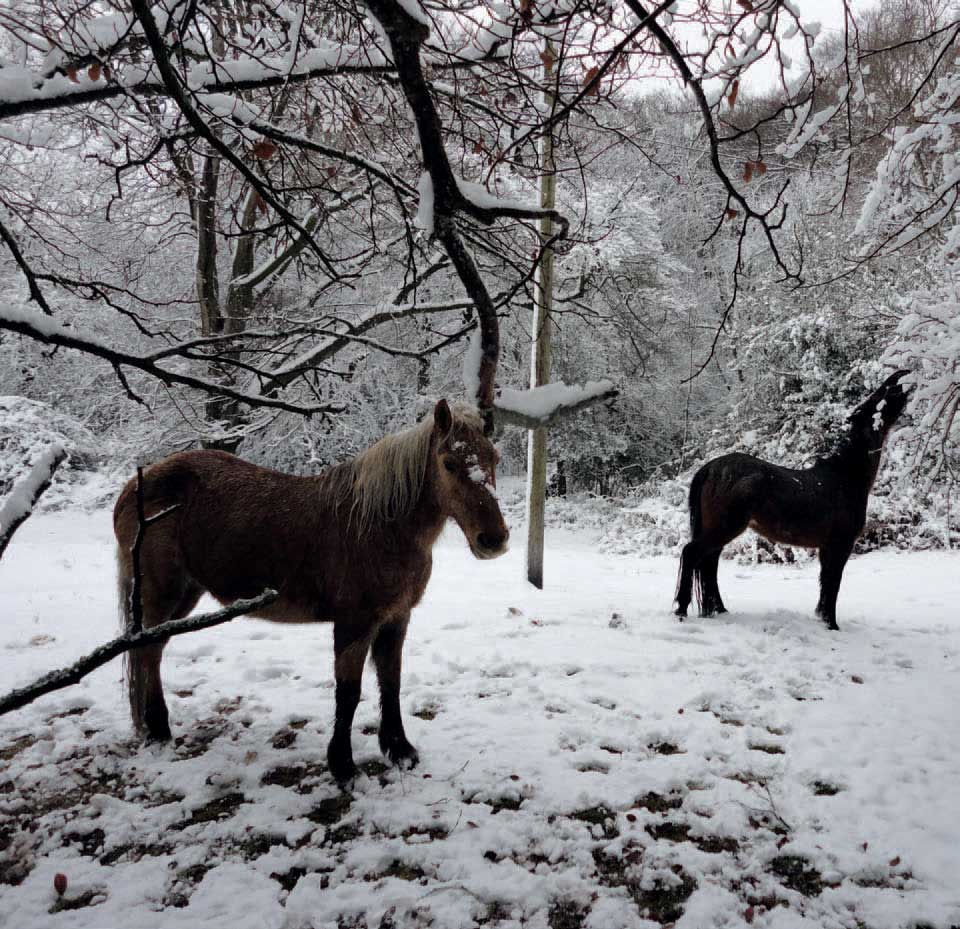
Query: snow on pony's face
{"points": [[874, 417], [467, 479]]}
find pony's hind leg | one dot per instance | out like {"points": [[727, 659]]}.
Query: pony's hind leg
{"points": [[148, 708], [698, 568], [710, 600], [387, 655], [689, 559]]}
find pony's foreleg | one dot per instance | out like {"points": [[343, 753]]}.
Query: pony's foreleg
{"points": [[833, 559], [350, 646], [387, 655]]}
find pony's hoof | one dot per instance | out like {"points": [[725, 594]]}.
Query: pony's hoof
{"points": [[157, 736], [402, 754], [341, 767], [680, 614]]}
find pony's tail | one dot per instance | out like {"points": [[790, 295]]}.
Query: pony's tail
{"points": [[133, 677], [694, 504]]}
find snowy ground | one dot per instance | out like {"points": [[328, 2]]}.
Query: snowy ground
{"points": [[586, 760]]}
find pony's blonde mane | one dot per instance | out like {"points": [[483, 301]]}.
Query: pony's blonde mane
{"points": [[388, 477]]}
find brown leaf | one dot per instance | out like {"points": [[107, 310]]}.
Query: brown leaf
{"points": [[590, 76], [514, 777], [472, 824], [748, 171], [526, 11], [730, 50], [856, 678], [748, 914], [264, 150], [631, 817], [894, 861], [331, 170], [60, 883], [732, 97], [72, 75], [261, 204], [732, 213], [864, 846], [782, 841], [93, 72], [759, 167], [746, 4], [477, 148]]}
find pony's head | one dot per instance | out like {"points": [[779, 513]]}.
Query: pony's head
{"points": [[873, 419], [465, 463]]}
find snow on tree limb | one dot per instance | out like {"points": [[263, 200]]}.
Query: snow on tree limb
{"points": [[23, 498], [542, 406], [73, 674]]}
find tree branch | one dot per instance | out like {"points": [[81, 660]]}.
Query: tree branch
{"points": [[65, 677], [24, 496]]}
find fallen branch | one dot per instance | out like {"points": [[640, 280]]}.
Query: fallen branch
{"points": [[65, 677], [24, 496]]}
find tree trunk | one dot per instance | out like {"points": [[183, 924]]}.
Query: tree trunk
{"points": [[540, 350]]}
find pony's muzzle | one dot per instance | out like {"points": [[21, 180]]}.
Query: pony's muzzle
{"points": [[490, 544]]}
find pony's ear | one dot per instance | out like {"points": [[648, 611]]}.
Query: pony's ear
{"points": [[442, 419], [895, 379]]}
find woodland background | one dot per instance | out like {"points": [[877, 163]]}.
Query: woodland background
{"points": [[259, 210]]}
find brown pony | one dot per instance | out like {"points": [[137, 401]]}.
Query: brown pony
{"points": [[351, 546]]}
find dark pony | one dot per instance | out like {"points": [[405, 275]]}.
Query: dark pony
{"points": [[822, 507], [351, 546]]}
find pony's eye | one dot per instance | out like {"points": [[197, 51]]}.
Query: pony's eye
{"points": [[449, 464]]}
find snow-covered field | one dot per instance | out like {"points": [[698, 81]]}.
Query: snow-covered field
{"points": [[586, 761]]}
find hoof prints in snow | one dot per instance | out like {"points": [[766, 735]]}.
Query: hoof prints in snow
{"points": [[584, 791]]}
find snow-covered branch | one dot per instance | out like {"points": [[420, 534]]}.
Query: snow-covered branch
{"points": [[23, 498], [44, 329], [541, 407]]}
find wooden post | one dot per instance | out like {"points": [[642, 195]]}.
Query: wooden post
{"points": [[540, 349]]}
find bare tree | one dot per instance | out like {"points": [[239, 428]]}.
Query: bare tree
{"points": [[316, 162]]}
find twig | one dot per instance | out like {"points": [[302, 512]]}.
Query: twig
{"points": [[65, 677]]}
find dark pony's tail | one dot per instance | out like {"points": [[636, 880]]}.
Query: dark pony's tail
{"points": [[696, 526]]}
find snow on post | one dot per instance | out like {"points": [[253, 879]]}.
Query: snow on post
{"points": [[23, 498]]}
